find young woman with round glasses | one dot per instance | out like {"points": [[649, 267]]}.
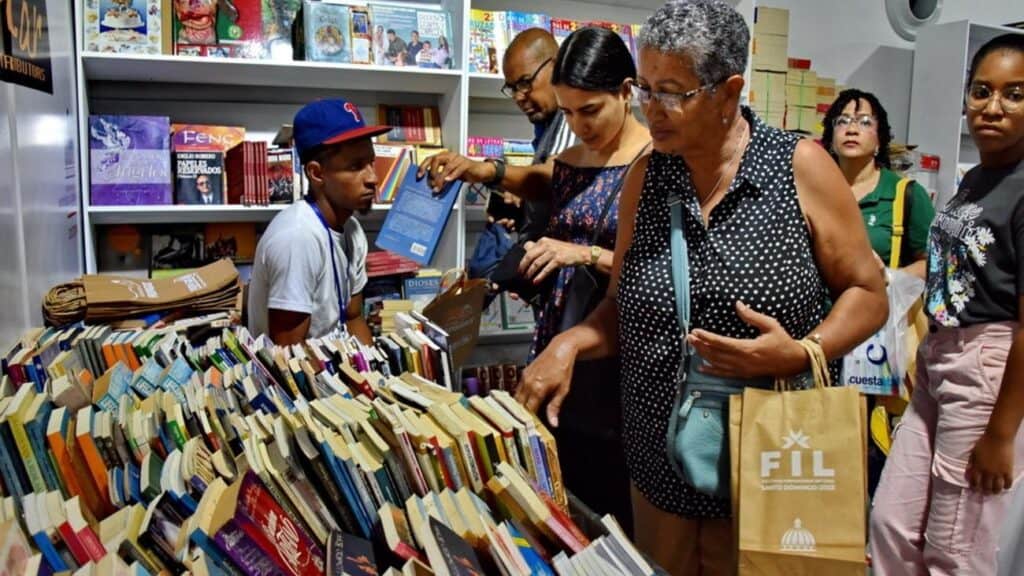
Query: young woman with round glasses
{"points": [[958, 455]]}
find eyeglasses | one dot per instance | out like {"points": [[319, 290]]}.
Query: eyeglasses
{"points": [[524, 84], [670, 100], [979, 96], [865, 121]]}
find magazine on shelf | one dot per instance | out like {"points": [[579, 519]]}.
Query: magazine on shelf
{"points": [[406, 36]]}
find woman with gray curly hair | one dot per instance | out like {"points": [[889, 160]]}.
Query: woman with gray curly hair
{"points": [[772, 234]]}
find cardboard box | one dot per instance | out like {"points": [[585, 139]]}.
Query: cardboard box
{"points": [[768, 91], [773, 119], [771, 21], [770, 53], [800, 63], [800, 77], [804, 96], [805, 119]]}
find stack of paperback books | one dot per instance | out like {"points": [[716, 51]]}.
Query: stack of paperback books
{"points": [[194, 446]]}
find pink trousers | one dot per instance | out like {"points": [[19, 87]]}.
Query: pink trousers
{"points": [[925, 518]]}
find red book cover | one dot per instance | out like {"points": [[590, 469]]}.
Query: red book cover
{"points": [[232, 167], [76, 547], [264, 175], [559, 516], [86, 536], [408, 123], [247, 172], [292, 547]]}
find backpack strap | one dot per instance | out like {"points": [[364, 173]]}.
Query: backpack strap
{"points": [[898, 218]]}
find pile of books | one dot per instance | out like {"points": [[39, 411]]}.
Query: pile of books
{"points": [[491, 32], [163, 450]]}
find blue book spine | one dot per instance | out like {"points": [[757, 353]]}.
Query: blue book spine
{"points": [[49, 552], [134, 483], [37, 438], [347, 488], [12, 480]]}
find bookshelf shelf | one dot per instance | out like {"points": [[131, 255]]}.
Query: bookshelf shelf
{"points": [[486, 86], [512, 336], [268, 73], [181, 214]]}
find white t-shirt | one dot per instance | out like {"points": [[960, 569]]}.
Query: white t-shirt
{"points": [[292, 270]]}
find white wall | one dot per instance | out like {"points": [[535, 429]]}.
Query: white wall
{"points": [[852, 41], [40, 237]]}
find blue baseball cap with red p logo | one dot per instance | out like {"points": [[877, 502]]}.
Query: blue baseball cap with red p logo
{"points": [[330, 121]]}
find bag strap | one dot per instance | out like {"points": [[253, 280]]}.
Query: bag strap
{"points": [[819, 367], [603, 222], [680, 265], [898, 218]]}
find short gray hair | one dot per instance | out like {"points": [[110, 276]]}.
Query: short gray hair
{"points": [[711, 33]]}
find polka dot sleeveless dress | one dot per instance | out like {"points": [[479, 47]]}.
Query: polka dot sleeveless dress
{"points": [[756, 248]]}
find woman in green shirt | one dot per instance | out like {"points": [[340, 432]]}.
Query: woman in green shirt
{"points": [[857, 135]]}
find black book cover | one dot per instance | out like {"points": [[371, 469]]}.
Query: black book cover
{"points": [[199, 178], [458, 555]]}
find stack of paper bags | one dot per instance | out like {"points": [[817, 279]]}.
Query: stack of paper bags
{"points": [[101, 297]]}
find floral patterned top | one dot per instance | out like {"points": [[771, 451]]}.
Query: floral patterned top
{"points": [[976, 250], [580, 193]]}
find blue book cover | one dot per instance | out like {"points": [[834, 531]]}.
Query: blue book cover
{"points": [[533, 559], [417, 219], [36, 430], [340, 475], [421, 290]]}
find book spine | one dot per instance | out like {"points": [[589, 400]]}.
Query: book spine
{"points": [[78, 551], [91, 542], [476, 482], [49, 552], [62, 461], [28, 456], [15, 479], [244, 552], [355, 504]]}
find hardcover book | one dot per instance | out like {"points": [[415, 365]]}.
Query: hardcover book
{"points": [[205, 138], [199, 178], [129, 160], [240, 28]]}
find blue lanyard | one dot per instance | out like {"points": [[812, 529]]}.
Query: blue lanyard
{"points": [[342, 305]]}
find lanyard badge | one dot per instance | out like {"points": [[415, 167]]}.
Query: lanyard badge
{"points": [[342, 305]]}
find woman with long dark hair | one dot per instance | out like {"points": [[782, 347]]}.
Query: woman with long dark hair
{"points": [[592, 75]]}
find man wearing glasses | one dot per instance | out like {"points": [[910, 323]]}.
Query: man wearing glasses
{"points": [[527, 68]]}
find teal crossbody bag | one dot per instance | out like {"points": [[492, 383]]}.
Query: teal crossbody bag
{"points": [[697, 440]]}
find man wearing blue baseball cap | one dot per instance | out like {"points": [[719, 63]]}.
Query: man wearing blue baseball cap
{"points": [[310, 265]]}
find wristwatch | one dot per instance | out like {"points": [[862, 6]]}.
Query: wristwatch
{"points": [[595, 254], [499, 171]]}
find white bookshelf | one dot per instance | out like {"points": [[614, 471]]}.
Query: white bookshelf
{"points": [[942, 57], [261, 95]]}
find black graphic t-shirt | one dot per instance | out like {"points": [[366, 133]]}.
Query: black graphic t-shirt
{"points": [[976, 250]]}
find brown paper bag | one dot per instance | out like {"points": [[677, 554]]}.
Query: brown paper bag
{"points": [[457, 310], [802, 482]]}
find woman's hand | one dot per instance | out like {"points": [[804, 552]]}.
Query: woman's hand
{"points": [[773, 353], [549, 375], [990, 470], [448, 166], [546, 255]]}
